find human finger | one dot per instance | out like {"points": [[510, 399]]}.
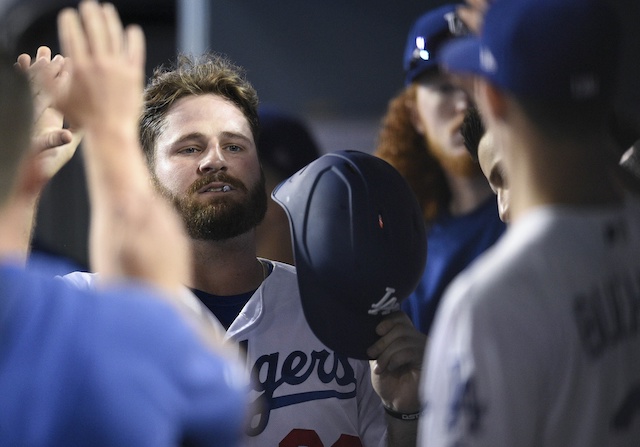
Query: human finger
{"points": [[399, 340], [46, 77], [95, 28], [405, 353], [43, 52], [480, 5], [135, 45], [472, 14], [57, 65], [49, 140], [391, 320], [113, 28], [382, 329], [71, 35], [402, 348], [471, 17], [47, 68], [24, 61]]}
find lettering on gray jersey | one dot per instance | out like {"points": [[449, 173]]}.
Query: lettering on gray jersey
{"points": [[608, 314]]}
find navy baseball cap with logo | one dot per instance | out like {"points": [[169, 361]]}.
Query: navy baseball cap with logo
{"points": [[547, 49], [426, 38], [359, 243]]}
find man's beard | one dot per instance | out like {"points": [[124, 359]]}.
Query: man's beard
{"points": [[223, 217], [459, 164]]}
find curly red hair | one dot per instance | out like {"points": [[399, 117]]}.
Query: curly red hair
{"points": [[405, 149]]}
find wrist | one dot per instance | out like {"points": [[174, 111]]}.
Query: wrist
{"points": [[412, 416]]}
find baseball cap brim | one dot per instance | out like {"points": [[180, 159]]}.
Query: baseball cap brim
{"points": [[341, 328], [462, 56]]}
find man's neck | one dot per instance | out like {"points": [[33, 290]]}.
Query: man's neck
{"points": [[227, 267], [572, 174]]}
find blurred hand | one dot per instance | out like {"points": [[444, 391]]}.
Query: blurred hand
{"points": [[472, 14], [52, 146], [128, 217], [106, 65]]}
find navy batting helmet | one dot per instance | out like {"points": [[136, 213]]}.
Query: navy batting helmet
{"points": [[359, 245]]}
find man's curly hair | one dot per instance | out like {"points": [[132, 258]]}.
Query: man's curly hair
{"points": [[210, 73], [405, 149]]}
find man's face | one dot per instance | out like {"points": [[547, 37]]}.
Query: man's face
{"points": [[440, 110], [492, 165], [207, 164]]}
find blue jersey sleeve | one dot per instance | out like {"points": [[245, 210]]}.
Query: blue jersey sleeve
{"points": [[118, 367]]}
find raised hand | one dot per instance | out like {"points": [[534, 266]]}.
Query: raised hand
{"points": [[106, 65], [472, 14], [128, 217], [47, 76], [52, 146]]}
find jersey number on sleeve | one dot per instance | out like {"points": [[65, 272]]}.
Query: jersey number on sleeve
{"points": [[299, 437]]}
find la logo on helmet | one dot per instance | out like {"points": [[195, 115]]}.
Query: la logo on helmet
{"points": [[386, 305]]}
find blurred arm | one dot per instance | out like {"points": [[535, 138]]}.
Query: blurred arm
{"points": [[134, 233], [52, 146]]}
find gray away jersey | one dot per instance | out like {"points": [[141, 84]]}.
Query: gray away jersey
{"points": [[537, 344]]}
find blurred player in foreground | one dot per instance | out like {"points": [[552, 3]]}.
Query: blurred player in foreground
{"points": [[131, 364], [538, 343]]}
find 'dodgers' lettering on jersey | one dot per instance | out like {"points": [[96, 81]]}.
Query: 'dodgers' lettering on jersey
{"points": [[608, 314], [297, 368]]}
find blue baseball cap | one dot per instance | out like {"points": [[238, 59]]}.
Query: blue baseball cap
{"points": [[548, 49], [426, 38]]}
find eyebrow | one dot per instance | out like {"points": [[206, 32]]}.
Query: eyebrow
{"points": [[200, 136], [190, 136], [235, 135]]}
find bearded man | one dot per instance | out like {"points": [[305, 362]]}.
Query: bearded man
{"points": [[420, 136], [198, 130]]}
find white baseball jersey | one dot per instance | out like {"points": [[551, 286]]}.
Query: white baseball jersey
{"points": [[305, 394], [537, 344]]}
